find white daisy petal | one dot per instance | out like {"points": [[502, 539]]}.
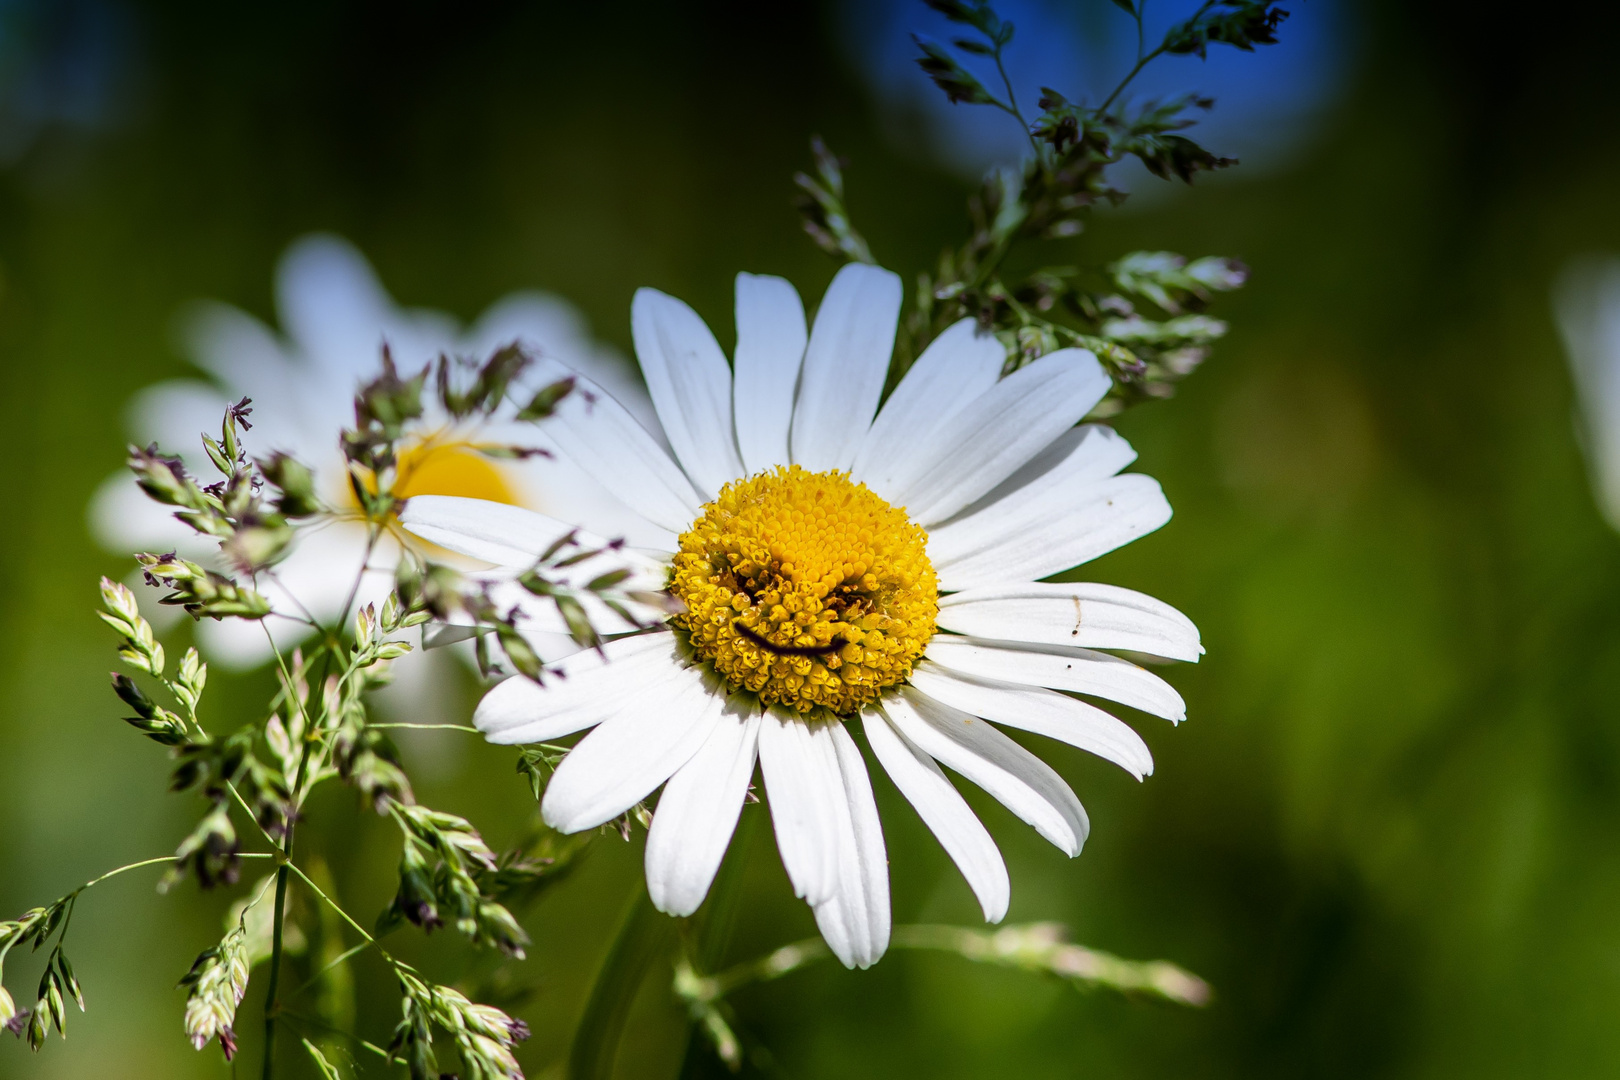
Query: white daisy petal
{"points": [[585, 689], [631, 752], [845, 364], [321, 569], [802, 785], [549, 326], [1042, 711], [690, 385], [1080, 614], [697, 813], [1013, 776], [855, 919], [240, 351], [334, 307], [1036, 532], [124, 516], [512, 536], [771, 337], [1060, 668], [315, 576], [536, 321], [443, 635], [600, 436], [992, 436], [957, 367], [239, 645], [551, 483], [161, 412], [335, 315], [296, 405], [538, 618], [1076, 459], [944, 811], [488, 531]]}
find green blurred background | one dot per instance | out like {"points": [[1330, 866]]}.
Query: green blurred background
{"points": [[1389, 834]]}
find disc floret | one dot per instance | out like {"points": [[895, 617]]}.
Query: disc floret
{"points": [[806, 589]]}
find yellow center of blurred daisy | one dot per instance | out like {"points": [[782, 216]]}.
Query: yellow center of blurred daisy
{"points": [[807, 589], [437, 466]]}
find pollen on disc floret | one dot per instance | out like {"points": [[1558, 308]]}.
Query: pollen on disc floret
{"points": [[806, 588]]}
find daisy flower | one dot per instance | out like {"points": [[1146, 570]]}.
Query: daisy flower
{"points": [[835, 562], [335, 316]]}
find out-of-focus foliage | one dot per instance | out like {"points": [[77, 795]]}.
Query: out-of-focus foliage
{"points": [[1389, 835], [1066, 176]]}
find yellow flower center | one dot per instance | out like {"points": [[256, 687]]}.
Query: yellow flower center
{"points": [[439, 465], [446, 467], [806, 589]]}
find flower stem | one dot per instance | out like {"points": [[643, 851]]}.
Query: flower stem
{"points": [[426, 727], [370, 941], [1034, 947], [351, 1036], [1012, 104], [1143, 61], [283, 856], [279, 916], [123, 869], [341, 958], [72, 897], [271, 1006], [333, 904]]}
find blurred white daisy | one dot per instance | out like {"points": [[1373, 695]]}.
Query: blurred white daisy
{"points": [[335, 316], [835, 562], [1587, 304]]}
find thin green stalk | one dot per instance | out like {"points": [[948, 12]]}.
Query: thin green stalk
{"points": [[427, 727], [153, 862], [279, 916], [986, 267], [248, 810], [308, 616], [370, 940], [304, 1018], [123, 869], [287, 679], [1126, 81], [1143, 61], [342, 958], [773, 965], [271, 1005], [372, 535], [73, 896], [335, 906], [1036, 947], [1012, 104]]}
